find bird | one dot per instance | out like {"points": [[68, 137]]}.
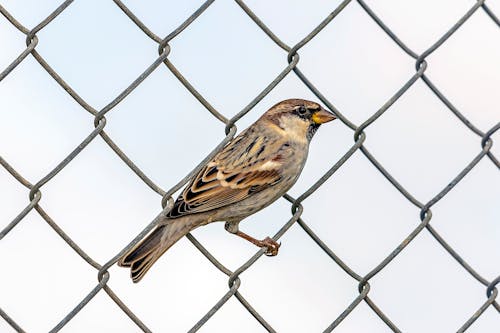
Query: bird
{"points": [[252, 171]]}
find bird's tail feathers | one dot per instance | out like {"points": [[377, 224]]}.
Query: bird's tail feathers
{"points": [[145, 253]]}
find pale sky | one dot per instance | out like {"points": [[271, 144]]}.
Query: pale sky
{"points": [[102, 205]]}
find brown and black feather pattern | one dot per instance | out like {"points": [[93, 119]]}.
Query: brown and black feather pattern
{"points": [[252, 171], [234, 174]]}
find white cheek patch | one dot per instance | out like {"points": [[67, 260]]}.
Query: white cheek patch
{"points": [[295, 128]]}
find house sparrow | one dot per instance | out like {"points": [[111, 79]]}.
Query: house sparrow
{"points": [[249, 173]]}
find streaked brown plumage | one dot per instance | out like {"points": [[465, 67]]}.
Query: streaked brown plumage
{"points": [[252, 171]]}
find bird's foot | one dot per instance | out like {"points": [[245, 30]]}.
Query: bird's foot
{"points": [[271, 245]]}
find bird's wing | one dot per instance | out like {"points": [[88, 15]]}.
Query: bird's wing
{"points": [[249, 164]]}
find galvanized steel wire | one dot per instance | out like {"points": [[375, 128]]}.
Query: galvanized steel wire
{"points": [[292, 55]]}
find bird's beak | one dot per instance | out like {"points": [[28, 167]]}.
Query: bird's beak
{"points": [[322, 116]]}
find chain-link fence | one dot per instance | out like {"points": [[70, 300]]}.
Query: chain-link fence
{"points": [[164, 48]]}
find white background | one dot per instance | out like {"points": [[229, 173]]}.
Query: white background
{"points": [[102, 205]]}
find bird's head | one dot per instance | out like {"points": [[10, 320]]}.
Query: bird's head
{"points": [[298, 117]]}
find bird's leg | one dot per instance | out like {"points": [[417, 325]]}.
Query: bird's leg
{"points": [[270, 244]]}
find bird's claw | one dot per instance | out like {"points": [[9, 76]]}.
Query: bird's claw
{"points": [[272, 246]]}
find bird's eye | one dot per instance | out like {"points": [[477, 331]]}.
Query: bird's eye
{"points": [[302, 110]]}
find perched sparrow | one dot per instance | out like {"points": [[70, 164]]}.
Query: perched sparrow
{"points": [[252, 171]]}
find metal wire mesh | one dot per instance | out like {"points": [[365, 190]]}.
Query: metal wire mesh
{"points": [[297, 209]]}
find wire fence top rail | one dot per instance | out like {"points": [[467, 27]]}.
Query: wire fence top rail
{"points": [[291, 52]]}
